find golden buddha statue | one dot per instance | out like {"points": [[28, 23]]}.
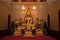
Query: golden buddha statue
{"points": [[28, 17]]}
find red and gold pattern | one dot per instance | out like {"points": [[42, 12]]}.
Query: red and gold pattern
{"points": [[29, 0]]}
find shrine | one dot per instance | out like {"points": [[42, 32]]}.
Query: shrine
{"points": [[28, 26]]}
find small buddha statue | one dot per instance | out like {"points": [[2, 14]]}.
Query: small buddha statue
{"points": [[20, 22], [42, 23], [37, 24], [16, 23]]}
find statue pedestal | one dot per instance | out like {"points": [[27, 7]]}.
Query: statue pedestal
{"points": [[28, 33], [39, 32], [17, 31]]}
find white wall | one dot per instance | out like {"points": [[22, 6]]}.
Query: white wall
{"points": [[4, 11], [53, 8]]}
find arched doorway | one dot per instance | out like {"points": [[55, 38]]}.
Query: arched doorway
{"points": [[48, 19], [59, 19]]}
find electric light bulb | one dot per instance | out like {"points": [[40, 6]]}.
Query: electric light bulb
{"points": [[34, 7], [23, 7]]}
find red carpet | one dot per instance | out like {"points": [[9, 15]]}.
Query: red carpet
{"points": [[27, 38]]}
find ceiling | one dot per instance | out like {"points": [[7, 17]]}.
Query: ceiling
{"points": [[32, 0]]}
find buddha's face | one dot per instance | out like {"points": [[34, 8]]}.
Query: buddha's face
{"points": [[17, 20], [20, 19], [28, 13], [37, 20]]}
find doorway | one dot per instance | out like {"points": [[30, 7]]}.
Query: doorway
{"points": [[59, 19], [48, 20]]}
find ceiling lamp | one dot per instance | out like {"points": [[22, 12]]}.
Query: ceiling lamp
{"points": [[34, 7], [23, 7]]}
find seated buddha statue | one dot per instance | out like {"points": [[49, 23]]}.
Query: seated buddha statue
{"points": [[28, 18], [16, 23], [37, 24], [42, 23]]}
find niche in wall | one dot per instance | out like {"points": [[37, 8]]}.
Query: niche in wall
{"points": [[59, 18]]}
